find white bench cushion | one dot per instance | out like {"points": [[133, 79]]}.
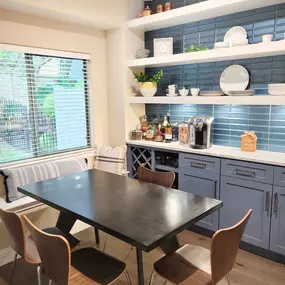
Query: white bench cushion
{"points": [[15, 177], [22, 203]]}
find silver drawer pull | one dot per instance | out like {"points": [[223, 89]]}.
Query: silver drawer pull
{"points": [[276, 204], [267, 201], [245, 173], [198, 165]]}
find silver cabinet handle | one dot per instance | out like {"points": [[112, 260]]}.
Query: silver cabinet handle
{"points": [[276, 204], [246, 173], [267, 201], [198, 165], [215, 189]]}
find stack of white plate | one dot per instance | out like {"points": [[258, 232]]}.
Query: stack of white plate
{"points": [[277, 89], [248, 92], [211, 93]]}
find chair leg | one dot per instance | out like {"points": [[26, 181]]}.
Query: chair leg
{"points": [[13, 268], [50, 282], [228, 279], [105, 243], [39, 272], [128, 277], [151, 278]]}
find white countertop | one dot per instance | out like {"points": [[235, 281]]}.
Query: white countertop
{"points": [[267, 157]]}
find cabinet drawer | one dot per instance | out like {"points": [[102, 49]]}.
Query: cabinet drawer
{"points": [[279, 176], [191, 162], [246, 170]]}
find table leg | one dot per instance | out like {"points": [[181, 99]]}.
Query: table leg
{"points": [[97, 237], [63, 226], [140, 267], [170, 245]]}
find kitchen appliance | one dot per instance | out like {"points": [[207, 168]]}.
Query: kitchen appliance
{"points": [[201, 132]]}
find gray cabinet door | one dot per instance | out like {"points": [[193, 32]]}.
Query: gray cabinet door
{"points": [[202, 184], [277, 238], [238, 197]]}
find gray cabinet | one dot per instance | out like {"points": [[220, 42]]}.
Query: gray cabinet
{"points": [[202, 184], [239, 196], [277, 237]]}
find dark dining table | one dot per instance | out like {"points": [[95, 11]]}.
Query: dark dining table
{"points": [[142, 214]]}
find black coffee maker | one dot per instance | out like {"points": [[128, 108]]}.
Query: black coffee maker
{"points": [[201, 132]]}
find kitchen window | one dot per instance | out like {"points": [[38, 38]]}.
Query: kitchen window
{"points": [[44, 104]]}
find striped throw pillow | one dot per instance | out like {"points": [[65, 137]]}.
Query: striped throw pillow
{"points": [[15, 177], [111, 159]]}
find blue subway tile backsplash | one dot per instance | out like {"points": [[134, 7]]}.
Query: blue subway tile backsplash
{"points": [[230, 120]]}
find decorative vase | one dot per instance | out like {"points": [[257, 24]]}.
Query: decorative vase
{"points": [[148, 89]]}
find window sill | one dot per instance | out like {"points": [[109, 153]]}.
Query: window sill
{"points": [[85, 153]]}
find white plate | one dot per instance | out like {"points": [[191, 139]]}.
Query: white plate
{"points": [[236, 34], [248, 92], [171, 95], [234, 78]]}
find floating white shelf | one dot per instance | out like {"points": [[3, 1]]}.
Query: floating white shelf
{"points": [[197, 12], [219, 100], [214, 55]]}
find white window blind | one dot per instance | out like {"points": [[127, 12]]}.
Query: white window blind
{"points": [[44, 105]]}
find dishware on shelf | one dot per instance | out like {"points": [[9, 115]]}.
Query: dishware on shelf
{"points": [[235, 34], [195, 91], [267, 38], [184, 92], [171, 94], [171, 90], [142, 53], [221, 45], [234, 78], [276, 89], [239, 43], [211, 93], [248, 92]]}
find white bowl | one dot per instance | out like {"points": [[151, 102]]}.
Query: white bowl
{"points": [[184, 92], [148, 92], [277, 89]]}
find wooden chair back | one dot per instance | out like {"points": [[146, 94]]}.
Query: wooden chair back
{"points": [[14, 227], [54, 252], [165, 179], [225, 245]]}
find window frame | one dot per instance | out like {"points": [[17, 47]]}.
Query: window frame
{"points": [[80, 152]]}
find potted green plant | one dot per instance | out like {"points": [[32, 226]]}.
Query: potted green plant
{"points": [[148, 85]]}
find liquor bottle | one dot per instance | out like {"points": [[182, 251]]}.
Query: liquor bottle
{"points": [[155, 123], [159, 136], [168, 130], [163, 126]]}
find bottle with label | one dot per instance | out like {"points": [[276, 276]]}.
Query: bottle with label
{"points": [[144, 126], [168, 130], [163, 126], [150, 133], [183, 134], [155, 123], [159, 136], [175, 132]]}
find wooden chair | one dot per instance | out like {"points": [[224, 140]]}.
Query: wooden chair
{"points": [[165, 179], [195, 265], [85, 266], [22, 245]]}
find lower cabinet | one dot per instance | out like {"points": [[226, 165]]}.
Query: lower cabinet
{"points": [[277, 238], [239, 196], [202, 184]]}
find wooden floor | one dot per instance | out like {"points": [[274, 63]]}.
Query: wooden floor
{"points": [[249, 269]]}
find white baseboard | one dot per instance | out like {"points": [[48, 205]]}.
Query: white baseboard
{"points": [[7, 254]]}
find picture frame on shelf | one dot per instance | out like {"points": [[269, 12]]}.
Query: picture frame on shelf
{"points": [[163, 47]]}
